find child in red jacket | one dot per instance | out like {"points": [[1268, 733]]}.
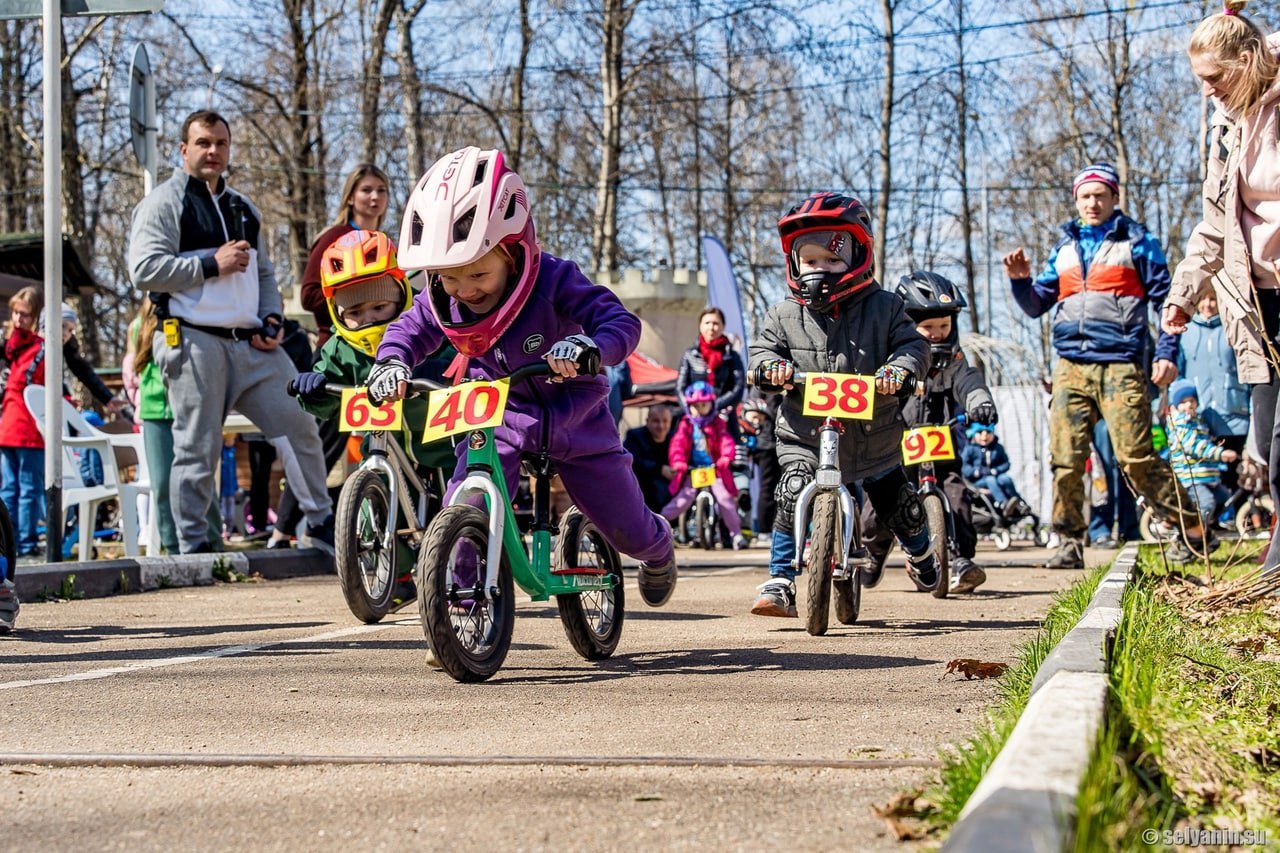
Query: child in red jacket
{"points": [[702, 441]]}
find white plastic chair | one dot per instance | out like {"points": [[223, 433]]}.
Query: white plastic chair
{"points": [[87, 498]]}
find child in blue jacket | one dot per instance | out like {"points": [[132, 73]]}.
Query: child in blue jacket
{"points": [[986, 464]]}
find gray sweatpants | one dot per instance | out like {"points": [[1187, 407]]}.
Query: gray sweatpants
{"points": [[206, 377]]}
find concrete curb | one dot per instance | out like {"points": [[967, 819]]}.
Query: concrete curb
{"points": [[101, 578], [1027, 799]]}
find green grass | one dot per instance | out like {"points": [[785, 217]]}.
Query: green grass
{"points": [[963, 767], [1191, 737]]}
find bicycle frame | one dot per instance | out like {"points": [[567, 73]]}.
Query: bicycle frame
{"points": [[389, 457], [531, 570], [826, 479]]}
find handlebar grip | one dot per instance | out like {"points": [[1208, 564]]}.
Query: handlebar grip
{"points": [[589, 362]]}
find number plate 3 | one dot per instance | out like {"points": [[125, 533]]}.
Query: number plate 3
{"points": [[359, 415]]}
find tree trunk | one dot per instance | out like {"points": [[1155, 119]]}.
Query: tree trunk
{"points": [[411, 92], [604, 241], [371, 79], [516, 154], [886, 137], [962, 144], [15, 158]]}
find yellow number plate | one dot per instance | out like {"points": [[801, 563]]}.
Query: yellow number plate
{"points": [[462, 408], [927, 444], [359, 415], [702, 477], [840, 395]]}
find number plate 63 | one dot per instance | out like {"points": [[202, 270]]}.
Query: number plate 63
{"points": [[359, 415], [840, 395], [462, 408], [927, 444]]}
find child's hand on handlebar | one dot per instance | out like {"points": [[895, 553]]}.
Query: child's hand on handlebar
{"points": [[566, 355], [388, 380], [775, 374], [890, 378], [309, 386]]}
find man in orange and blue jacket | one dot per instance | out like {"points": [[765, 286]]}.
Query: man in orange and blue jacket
{"points": [[1101, 279]]}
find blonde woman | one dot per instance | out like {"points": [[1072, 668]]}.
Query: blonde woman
{"points": [[364, 206], [1235, 250]]}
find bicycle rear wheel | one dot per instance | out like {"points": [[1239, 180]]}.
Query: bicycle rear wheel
{"points": [[824, 550], [592, 620], [936, 518], [468, 627], [363, 556]]}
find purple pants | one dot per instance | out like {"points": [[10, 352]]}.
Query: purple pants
{"points": [[684, 498], [595, 471]]}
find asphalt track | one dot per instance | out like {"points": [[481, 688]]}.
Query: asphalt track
{"points": [[264, 716]]}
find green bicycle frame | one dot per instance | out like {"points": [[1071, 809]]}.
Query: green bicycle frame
{"points": [[532, 573]]}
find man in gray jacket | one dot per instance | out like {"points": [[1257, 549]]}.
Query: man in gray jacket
{"points": [[195, 245]]}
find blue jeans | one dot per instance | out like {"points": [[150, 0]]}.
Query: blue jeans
{"points": [[22, 489], [1000, 486], [884, 492], [1120, 508], [1208, 498]]}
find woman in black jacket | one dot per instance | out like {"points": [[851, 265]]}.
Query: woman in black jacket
{"points": [[714, 360]]}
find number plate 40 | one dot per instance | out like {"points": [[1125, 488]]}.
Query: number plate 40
{"points": [[462, 408]]}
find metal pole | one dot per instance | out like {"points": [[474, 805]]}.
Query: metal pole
{"points": [[53, 281], [150, 166], [986, 231]]}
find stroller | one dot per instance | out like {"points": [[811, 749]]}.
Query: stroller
{"points": [[1022, 525]]}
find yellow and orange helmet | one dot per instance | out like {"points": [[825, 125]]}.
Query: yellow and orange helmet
{"points": [[360, 267]]}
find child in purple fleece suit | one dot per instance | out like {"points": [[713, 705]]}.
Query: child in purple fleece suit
{"points": [[504, 303]]}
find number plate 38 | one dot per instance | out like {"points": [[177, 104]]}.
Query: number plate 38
{"points": [[840, 395]]}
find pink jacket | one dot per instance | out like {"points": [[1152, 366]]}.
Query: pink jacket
{"points": [[719, 444], [1232, 249]]}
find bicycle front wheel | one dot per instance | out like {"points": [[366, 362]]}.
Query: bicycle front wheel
{"points": [[592, 620], [363, 555], [936, 518], [824, 550], [467, 626], [705, 524]]}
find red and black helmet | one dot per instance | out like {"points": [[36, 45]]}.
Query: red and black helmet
{"points": [[844, 216]]}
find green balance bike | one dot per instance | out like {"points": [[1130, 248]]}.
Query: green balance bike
{"points": [[474, 555]]}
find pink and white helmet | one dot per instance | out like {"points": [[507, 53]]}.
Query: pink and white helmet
{"points": [[468, 203]]}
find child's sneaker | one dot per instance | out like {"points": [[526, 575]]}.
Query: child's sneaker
{"points": [[657, 581], [777, 598], [966, 576], [923, 571], [8, 606], [739, 542]]}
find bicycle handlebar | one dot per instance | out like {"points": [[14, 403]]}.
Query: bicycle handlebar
{"points": [[800, 377], [589, 364]]}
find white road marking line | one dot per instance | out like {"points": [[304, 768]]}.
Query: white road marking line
{"points": [[226, 651]]}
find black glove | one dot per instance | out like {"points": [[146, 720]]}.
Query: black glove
{"points": [[309, 386], [985, 414]]}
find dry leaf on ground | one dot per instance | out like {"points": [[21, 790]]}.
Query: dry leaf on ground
{"points": [[972, 668]]}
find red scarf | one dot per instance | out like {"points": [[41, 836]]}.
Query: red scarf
{"points": [[713, 354]]}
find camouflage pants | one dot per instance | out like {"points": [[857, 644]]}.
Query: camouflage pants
{"points": [[1116, 393]]}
